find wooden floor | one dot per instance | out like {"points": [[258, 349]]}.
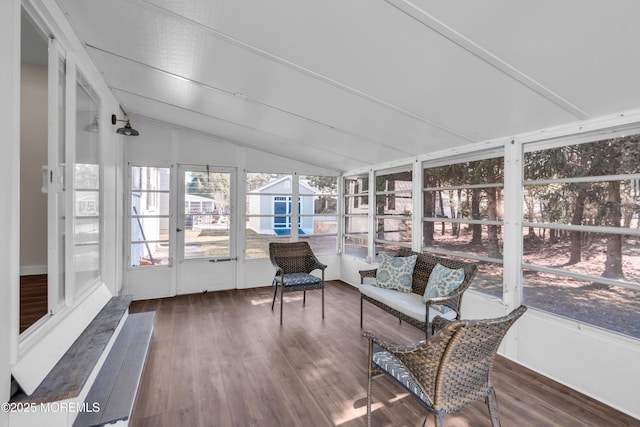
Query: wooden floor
{"points": [[222, 359], [33, 299]]}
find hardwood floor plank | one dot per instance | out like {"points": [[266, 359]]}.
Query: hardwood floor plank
{"points": [[276, 408], [182, 376], [302, 403], [223, 359], [209, 393], [155, 386], [249, 409], [33, 299]]}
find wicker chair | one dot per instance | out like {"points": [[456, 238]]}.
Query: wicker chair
{"points": [[449, 370], [425, 263], [293, 262]]}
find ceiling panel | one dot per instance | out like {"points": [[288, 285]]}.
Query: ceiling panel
{"points": [[582, 50], [340, 138], [362, 81], [229, 132], [377, 50], [277, 87]]}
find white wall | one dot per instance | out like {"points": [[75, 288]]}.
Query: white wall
{"points": [[164, 145], [33, 155], [112, 204], [9, 190]]}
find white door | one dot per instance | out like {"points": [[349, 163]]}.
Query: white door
{"points": [[205, 233]]}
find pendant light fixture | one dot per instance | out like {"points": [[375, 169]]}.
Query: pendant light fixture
{"points": [[127, 129]]}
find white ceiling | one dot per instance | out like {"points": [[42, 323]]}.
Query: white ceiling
{"points": [[345, 84]]}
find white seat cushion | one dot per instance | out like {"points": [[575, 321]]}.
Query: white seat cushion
{"points": [[410, 304]]}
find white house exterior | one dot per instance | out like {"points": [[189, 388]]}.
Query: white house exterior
{"points": [[275, 198]]}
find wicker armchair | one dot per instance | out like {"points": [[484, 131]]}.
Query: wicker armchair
{"points": [[425, 263], [449, 370], [293, 262]]}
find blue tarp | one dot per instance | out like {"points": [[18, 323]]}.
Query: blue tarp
{"points": [[286, 231]]}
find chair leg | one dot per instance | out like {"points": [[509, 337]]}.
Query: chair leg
{"points": [[323, 302], [494, 413], [281, 302], [304, 298], [369, 378], [428, 325], [361, 299], [275, 291]]}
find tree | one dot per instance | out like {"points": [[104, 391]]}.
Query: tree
{"points": [[476, 237], [428, 206], [494, 174], [257, 180], [212, 185], [617, 156], [326, 185]]}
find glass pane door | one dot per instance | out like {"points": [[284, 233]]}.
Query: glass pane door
{"points": [[206, 220]]}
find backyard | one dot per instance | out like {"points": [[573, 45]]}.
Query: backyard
{"points": [[614, 308]]}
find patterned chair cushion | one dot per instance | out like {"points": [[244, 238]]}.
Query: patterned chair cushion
{"points": [[442, 281], [388, 363], [298, 279], [395, 272]]}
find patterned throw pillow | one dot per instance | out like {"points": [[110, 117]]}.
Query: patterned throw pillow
{"points": [[442, 281], [395, 272]]}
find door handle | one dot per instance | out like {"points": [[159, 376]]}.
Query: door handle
{"points": [[178, 229]]}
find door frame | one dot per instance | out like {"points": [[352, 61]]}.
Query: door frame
{"points": [[206, 273]]}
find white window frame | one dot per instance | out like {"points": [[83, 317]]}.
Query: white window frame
{"points": [[129, 217], [382, 172], [559, 142], [301, 215], [347, 198]]}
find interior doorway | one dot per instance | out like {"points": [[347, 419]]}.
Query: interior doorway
{"points": [[33, 157]]}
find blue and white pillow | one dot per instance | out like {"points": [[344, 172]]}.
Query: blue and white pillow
{"points": [[442, 281], [395, 272]]}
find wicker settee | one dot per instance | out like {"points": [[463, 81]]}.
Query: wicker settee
{"points": [[409, 307]]}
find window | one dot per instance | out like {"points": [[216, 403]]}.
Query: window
{"points": [[318, 208], [356, 215], [207, 223], [581, 231], [463, 213], [149, 216], [394, 206], [87, 233], [272, 215], [269, 212]]}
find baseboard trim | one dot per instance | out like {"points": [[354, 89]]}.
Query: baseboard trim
{"points": [[33, 270]]}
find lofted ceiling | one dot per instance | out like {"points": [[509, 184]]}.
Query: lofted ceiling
{"points": [[349, 84]]}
